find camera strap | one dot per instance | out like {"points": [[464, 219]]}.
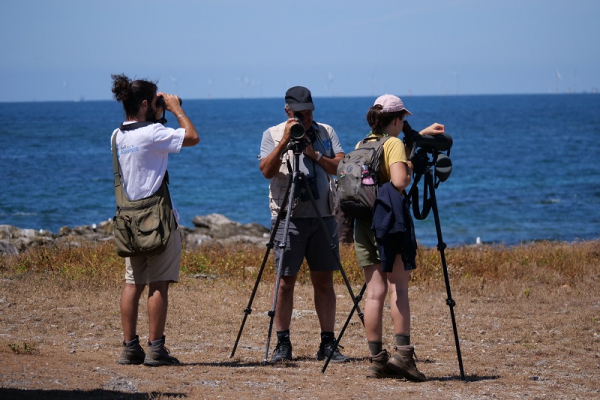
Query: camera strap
{"points": [[414, 197], [129, 127]]}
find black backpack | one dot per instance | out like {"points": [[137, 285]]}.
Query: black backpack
{"points": [[357, 196]]}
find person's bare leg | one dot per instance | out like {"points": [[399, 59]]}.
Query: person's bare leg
{"points": [[158, 302], [285, 303], [130, 298], [376, 293], [398, 281], [325, 301]]}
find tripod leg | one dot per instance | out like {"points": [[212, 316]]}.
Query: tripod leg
{"points": [[282, 245], [337, 341], [332, 247], [441, 246], [248, 309]]}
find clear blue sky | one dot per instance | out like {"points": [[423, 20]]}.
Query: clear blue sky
{"points": [[67, 49]]}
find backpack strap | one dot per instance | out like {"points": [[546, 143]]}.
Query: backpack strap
{"points": [[378, 148], [119, 195]]}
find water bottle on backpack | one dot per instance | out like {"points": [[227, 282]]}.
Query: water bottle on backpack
{"points": [[367, 178]]}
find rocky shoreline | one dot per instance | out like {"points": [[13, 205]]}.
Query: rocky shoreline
{"points": [[212, 228]]}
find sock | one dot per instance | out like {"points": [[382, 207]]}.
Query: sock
{"points": [[375, 348], [157, 342], [131, 341], [402, 340], [283, 336], [327, 337]]}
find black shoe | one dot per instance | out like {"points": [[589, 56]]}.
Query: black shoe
{"points": [[325, 350], [282, 352]]}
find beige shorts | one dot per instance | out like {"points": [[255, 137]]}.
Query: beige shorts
{"points": [[162, 267]]}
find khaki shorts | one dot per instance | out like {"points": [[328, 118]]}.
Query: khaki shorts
{"points": [[162, 267], [365, 245]]}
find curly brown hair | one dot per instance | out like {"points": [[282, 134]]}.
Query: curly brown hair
{"points": [[132, 93]]}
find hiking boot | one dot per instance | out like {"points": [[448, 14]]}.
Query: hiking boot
{"points": [[158, 354], [325, 350], [282, 352], [403, 362], [379, 367], [132, 353]]}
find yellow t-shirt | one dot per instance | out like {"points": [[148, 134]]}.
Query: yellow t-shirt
{"points": [[393, 152]]}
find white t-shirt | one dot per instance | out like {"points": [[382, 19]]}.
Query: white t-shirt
{"points": [[143, 155]]}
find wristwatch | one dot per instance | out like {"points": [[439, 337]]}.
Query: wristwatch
{"points": [[318, 156]]}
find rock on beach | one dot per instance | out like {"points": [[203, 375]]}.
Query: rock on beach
{"points": [[208, 229]]}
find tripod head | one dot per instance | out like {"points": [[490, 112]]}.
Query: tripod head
{"points": [[297, 145], [428, 156]]}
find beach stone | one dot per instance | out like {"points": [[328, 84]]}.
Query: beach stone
{"points": [[219, 226], [64, 231], [7, 248], [27, 233], [6, 232], [209, 229]]}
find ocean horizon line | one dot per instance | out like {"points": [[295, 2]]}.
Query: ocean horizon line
{"points": [[83, 99]]}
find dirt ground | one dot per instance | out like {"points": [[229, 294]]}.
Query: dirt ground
{"points": [[61, 340]]}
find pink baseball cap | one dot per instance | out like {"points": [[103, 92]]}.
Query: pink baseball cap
{"points": [[391, 103]]}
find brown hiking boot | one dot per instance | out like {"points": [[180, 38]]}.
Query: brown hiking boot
{"points": [[132, 353], [158, 354], [379, 367], [403, 362]]}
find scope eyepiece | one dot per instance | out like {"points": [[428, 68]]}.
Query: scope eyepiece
{"points": [[297, 130], [443, 167]]}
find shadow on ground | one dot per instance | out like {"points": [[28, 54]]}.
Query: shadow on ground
{"points": [[98, 394]]}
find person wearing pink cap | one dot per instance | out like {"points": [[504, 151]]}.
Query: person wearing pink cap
{"points": [[389, 274]]}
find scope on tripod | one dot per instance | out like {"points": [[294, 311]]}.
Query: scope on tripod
{"points": [[441, 142], [428, 151], [297, 130]]}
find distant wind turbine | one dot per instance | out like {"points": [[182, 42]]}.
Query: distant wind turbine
{"points": [[210, 84], [174, 80], [456, 80], [558, 77], [329, 84]]}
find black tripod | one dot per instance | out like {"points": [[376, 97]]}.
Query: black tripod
{"points": [[438, 166], [297, 179]]}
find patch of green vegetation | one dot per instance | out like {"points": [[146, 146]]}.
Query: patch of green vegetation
{"points": [[25, 348]]}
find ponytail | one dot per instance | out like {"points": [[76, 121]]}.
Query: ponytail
{"points": [[132, 93], [379, 120]]}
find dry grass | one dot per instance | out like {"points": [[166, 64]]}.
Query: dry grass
{"points": [[528, 320], [549, 263]]}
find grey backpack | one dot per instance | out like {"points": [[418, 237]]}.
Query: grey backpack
{"points": [[358, 177]]}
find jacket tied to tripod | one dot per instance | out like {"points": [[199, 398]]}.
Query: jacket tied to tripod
{"points": [[394, 227]]}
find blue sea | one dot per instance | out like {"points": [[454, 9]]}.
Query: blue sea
{"points": [[525, 167]]}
